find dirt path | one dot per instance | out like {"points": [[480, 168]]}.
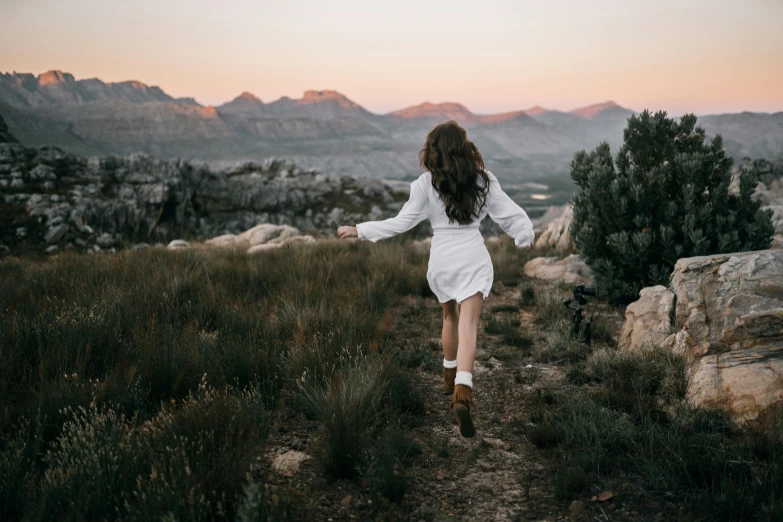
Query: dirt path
{"points": [[498, 475]]}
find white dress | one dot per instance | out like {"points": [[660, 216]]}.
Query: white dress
{"points": [[459, 264]]}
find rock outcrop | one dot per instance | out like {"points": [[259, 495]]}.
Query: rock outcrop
{"points": [[728, 322], [648, 321], [555, 234], [570, 269], [50, 198]]}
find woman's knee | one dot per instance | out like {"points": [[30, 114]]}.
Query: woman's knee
{"points": [[450, 312]]}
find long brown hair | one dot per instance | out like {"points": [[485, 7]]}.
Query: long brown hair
{"points": [[455, 164]]}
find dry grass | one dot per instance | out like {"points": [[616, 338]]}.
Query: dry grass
{"points": [[107, 357]]}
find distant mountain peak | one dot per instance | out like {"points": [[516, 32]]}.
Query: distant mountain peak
{"points": [[326, 94], [312, 96], [54, 77], [440, 110], [247, 102], [594, 110], [248, 96], [537, 110], [135, 84]]}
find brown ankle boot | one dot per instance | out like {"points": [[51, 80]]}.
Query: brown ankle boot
{"points": [[461, 403], [449, 374]]}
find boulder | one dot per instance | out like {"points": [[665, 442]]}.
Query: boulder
{"points": [[278, 243], [648, 321], [728, 323], [570, 269], [555, 234], [260, 237], [224, 241], [55, 234], [265, 233], [178, 244]]}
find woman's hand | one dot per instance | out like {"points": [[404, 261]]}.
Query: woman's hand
{"points": [[347, 231]]}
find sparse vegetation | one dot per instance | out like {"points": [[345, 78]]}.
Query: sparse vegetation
{"points": [[180, 356], [195, 360], [631, 419]]}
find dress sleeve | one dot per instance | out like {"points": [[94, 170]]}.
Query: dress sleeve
{"points": [[412, 213], [510, 216]]}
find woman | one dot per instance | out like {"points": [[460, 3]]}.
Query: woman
{"points": [[455, 193]]}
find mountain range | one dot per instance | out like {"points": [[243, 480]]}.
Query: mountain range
{"points": [[326, 130]]}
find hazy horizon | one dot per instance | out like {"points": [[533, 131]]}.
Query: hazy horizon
{"points": [[703, 57]]}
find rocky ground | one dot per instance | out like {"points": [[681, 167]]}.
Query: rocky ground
{"points": [[497, 475]]}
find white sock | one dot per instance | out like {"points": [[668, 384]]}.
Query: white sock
{"points": [[449, 364], [465, 378]]}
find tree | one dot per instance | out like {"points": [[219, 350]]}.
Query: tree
{"points": [[665, 196]]}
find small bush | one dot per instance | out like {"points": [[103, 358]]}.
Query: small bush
{"points": [[351, 409], [513, 337], [386, 463], [570, 482], [549, 304], [560, 344], [527, 296], [199, 455], [504, 308], [92, 467]]}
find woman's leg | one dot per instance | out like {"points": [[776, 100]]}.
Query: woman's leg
{"points": [[450, 340], [470, 310], [462, 400], [450, 334]]}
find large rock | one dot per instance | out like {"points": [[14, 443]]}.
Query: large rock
{"points": [[258, 235], [570, 270], [260, 238], [728, 323], [178, 244], [278, 243], [648, 321], [555, 235]]}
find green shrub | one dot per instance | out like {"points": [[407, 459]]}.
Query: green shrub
{"points": [[386, 462], [351, 409], [527, 296], [664, 197], [92, 467]]}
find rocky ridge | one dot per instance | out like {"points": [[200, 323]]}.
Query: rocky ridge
{"points": [[53, 200]]}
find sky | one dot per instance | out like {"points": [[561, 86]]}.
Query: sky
{"points": [[697, 56]]}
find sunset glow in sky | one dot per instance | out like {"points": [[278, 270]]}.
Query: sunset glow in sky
{"points": [[492, 55]]}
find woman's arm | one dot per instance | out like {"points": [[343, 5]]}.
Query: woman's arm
{"points": [[412, 213], [510, 216]]}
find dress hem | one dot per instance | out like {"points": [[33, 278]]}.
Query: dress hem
{"points": [[459, 301]]}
